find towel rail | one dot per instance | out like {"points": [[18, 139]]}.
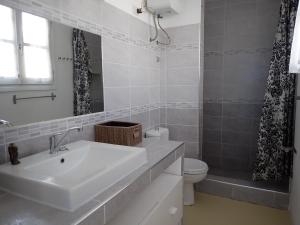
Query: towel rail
{"points": [[15, 99]]}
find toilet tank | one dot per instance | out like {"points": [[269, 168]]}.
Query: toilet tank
{"points": [[165, 7]]}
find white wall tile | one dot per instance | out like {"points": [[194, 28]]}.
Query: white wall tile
{"points": [[116, 98], [116, 75], [182, 94], [139, 96]]}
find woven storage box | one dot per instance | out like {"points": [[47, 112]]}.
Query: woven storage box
{"points": [[119, 133]]}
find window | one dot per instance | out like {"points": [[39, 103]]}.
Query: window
{"points": [[24, 48]]}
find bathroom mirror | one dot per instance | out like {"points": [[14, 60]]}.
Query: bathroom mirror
{"points": [[48, 70]]}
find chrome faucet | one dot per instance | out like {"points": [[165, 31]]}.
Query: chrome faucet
{"points": [[55, 145], [5, 123]]}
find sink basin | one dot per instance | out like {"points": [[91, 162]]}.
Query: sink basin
{"points": [[69, 179]]}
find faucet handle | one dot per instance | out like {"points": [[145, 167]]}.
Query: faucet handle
{"points": [[63, 148]]}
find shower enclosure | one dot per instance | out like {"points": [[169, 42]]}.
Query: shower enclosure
{"points": [[238, 44]]}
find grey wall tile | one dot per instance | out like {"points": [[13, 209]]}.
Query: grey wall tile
{"points": [[214, 4], [213, 60], [281, 200], [238, 138], [213, 77], [212, 122], [183, 116], [231, 164], [215, 188], [212, 109], [236, 124], [180, 152], [241, 10], [3, 158], [215, 14], [214, 44], [242, 110], [213, 161], [213, 93], [214, 29], [212, 149], [183, 133], [253, 195], [212, 136], [237, 151], [192, 150]]}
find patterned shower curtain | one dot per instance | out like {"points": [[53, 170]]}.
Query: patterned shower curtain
{"points": [[275, 141], [81, 75]]}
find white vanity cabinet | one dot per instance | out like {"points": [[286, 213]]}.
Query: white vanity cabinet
{"points": [[159, 204]]}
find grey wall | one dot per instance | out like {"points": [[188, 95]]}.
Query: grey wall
{"points": [[238, 41], [180, 88]]}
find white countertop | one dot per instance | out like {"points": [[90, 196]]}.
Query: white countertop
{"points": [[19, 211]]}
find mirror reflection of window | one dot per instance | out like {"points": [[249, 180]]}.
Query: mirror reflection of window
{"points": [[8, 45], [37, 62], [36, 47], [24, 48]]}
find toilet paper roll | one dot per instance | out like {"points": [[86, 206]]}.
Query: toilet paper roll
{"points": [[161, 133]]}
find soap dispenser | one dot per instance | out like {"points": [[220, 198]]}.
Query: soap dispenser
{"points": [[13, 154]]}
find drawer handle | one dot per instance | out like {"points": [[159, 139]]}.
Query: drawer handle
{"points": [[173, 210]]}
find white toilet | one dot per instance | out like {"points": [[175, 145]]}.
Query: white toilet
{"points": [[194, 171]]}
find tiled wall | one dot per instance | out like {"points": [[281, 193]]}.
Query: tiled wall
{"points": [[238, 42], [180, 88], [131, 69]]}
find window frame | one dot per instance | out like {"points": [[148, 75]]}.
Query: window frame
{"points": [[21, 83], [16, 80]]}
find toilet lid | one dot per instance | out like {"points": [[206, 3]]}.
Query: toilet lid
{"points": [[194, 166]]}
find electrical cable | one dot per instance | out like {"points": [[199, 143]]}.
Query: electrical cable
{"points": [[158, 17], [166, 33], [154, 21]]}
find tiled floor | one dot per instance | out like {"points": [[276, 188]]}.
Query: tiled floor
{"points": [[212, 210]]}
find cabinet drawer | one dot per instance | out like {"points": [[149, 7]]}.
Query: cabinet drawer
{"points": [[169, 210], [159, 204]]}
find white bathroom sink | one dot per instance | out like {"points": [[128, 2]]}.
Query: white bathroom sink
{"points": [[69, 179]]}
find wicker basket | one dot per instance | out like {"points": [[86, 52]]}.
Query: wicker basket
{"points": [[120, 133]]}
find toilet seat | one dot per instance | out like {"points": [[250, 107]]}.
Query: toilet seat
{"points": [[194, 166]]}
